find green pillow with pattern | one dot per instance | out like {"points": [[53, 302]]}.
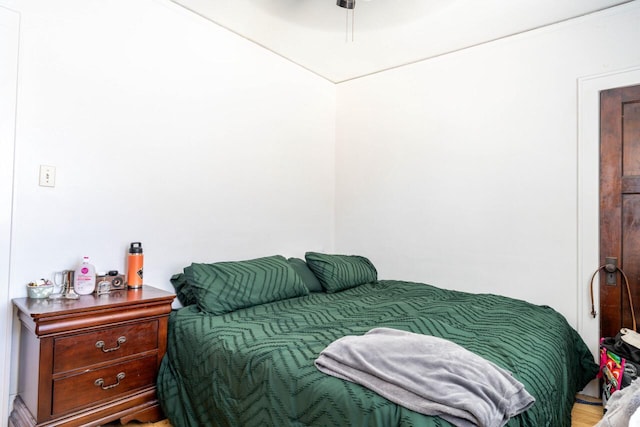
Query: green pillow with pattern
{"points": [[184, 290], [340, 272], [227, 286], [308, 278]]}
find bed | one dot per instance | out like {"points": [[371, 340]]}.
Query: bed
{"points": [[241, 350]]}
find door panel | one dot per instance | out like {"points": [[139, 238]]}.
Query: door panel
{"points": [[619, 203], [630, 255]]}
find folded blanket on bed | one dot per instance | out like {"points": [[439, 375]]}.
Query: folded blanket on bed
{"points": [[429, 375]]}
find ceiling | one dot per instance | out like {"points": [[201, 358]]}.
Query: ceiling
{"points": [[316, 34]]}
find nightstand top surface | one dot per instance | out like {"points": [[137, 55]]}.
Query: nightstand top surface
{"points": [[42, 308]]}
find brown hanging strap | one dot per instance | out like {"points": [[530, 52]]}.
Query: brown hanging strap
{"points": [[626, 282]]}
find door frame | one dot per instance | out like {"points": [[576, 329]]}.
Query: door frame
{"points": [[588, 208], [9, 53]]}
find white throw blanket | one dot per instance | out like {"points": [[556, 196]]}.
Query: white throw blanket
{"points": [[428, 375], [622, 406]]}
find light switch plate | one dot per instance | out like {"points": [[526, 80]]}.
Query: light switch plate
{"points": [[47, 176]]}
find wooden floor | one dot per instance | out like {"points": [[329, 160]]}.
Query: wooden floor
{"points": [[586, 415], [582, 415]]}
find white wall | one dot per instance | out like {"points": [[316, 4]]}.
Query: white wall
{"points": [[461, 171], [157, 120], [164, 129]]}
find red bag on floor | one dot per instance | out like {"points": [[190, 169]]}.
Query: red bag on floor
{"points": [[616, 371]]}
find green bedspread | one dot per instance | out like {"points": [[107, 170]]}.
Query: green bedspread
{"points": [[255, 366]]}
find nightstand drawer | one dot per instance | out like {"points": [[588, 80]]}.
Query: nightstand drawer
{"points": [[78, 351], [94, 386]]}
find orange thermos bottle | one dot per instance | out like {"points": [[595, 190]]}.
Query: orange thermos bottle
{"points": [[135, 260]]}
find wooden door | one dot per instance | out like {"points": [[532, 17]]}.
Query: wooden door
{"points": [[619, 204]]}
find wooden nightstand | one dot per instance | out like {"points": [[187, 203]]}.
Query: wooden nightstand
{"points": [[92, 360]]}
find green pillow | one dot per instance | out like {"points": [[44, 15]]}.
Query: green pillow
{"points": [[307, 276], [184, 291], [339, 272], [227, 286]]}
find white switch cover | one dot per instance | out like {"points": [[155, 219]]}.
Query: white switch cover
{"points": [[47, 176]]}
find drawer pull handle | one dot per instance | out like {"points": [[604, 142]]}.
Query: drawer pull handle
{"points": [[100, 382], [100, 345]]}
